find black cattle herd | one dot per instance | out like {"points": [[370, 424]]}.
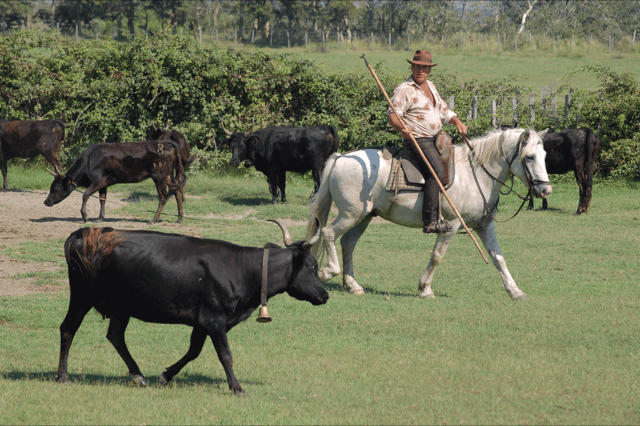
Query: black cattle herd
{"points": [[210, 285]]}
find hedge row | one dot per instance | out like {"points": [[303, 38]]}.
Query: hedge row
{"points": [[112, 91]]}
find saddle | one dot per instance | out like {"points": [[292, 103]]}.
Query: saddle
{"points": [[405, 173]]}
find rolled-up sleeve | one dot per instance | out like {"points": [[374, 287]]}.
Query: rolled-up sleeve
{"points": [[399, 100]]}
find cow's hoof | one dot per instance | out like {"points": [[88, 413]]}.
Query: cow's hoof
{"points": [[163, 380], [139, 380], [64, 379], [179, 220], [238, 392]]}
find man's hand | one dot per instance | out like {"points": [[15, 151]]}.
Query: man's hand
{"points": [[406, 133], [460, 126]]}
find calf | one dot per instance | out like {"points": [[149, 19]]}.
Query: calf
{"points": [[276, 150], [26, 139], [572, 150], [105, 164], [210, 285]]}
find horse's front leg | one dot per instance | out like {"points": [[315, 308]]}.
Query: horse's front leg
{"points": [[442, 242], [488, 237]]}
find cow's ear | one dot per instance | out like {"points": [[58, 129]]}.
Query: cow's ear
{"points": [[253, 140], [68, 181]]}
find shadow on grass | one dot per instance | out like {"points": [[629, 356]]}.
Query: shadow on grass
{"points": [[79, 220], [338, 287], [237, 201], [182, 380]]}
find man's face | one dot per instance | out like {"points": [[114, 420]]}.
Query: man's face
{"points": [[420, 73]]}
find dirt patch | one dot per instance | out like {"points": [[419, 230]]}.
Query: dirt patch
{"points": [[24, 217]]}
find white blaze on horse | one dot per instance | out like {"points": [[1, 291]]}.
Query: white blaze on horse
{"points": [[356, 183]]}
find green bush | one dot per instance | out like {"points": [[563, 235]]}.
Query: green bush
{"points": [[112, 91], [622, 159]]}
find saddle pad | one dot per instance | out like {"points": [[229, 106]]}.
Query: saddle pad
{"points": [[406, 176]]}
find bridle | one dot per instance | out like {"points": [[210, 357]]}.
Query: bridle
{"points": [[527, 173]]}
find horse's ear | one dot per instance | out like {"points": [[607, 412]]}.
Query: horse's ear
{"points": [[525, 137], [543, 133]]}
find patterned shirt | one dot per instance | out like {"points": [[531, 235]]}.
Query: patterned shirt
{"points": [[417, 111]]}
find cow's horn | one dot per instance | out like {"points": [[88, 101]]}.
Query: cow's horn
{"points": [[56, 173], [50, 171], [228, 133], [314, 239], [285, 232]]}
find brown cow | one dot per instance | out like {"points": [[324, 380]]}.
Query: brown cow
{"points": [[26, 139]]}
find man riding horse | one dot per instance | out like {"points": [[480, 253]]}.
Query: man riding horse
{"points": [[424, 112]]}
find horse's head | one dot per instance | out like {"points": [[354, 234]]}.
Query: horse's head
{"points": [[531, 168]]}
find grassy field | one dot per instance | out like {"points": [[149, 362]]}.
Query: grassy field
{"points": [[525, 68], [569, 355]]}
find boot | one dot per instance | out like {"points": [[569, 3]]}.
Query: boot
{"points": [[441, 227]]}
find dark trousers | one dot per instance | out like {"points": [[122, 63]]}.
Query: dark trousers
{"points": [[431, 200]]}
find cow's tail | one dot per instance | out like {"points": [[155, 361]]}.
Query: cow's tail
{"points": [[88, 250], [336, 139], [321, 204], [178, 174], [591, 150]]}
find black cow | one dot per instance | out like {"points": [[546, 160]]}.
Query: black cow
{"points": [[26, 139], [105, 164], [277, 150], [210, 285], [576, 150]]}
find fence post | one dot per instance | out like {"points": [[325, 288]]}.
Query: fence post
{"points": [[389, 42], [534, 44], [409, 42], [305, 41], [355, 39], [516, 42], [544, 97], [481, 44], [235, 38], [372, 41], [474, 106], [514, 105], [554, 108], [338, 38], [452, 103], [253, 33], [494, 124], [532, 114], [567, 103]]}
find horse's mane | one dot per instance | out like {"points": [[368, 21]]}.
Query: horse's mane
{"points": [[489, 148]]}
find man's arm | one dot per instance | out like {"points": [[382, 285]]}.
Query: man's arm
{"points": [[397, 124], [462, 128]]}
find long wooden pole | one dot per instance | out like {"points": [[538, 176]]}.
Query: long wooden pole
{"points": [[417, 148]]}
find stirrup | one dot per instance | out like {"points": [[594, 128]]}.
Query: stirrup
{"points": [[440, 227]]}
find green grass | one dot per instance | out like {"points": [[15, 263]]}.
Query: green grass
{"points": [[526, 69], [569, 355]]}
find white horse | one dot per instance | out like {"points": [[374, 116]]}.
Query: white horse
{"points": [[356, 183]]}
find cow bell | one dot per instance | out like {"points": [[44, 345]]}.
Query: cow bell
{"points": [[263, 314]]}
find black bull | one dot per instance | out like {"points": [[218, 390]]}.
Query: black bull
{"points": [[210, 285], [26, 139], [277, 150], [572, 150]]}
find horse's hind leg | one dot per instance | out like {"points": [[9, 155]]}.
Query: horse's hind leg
{"points": [[329, 234], [488, 237], [348, 243], [442, 243]]}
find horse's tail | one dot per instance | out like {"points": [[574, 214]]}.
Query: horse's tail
{"points": [[321, 203]]}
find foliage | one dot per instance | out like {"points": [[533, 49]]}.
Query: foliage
{"points": [[110, 91]]}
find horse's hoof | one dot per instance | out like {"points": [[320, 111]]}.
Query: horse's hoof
{"points": [[521, 297], [356, 291], [139, 380], [428, 296]]}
